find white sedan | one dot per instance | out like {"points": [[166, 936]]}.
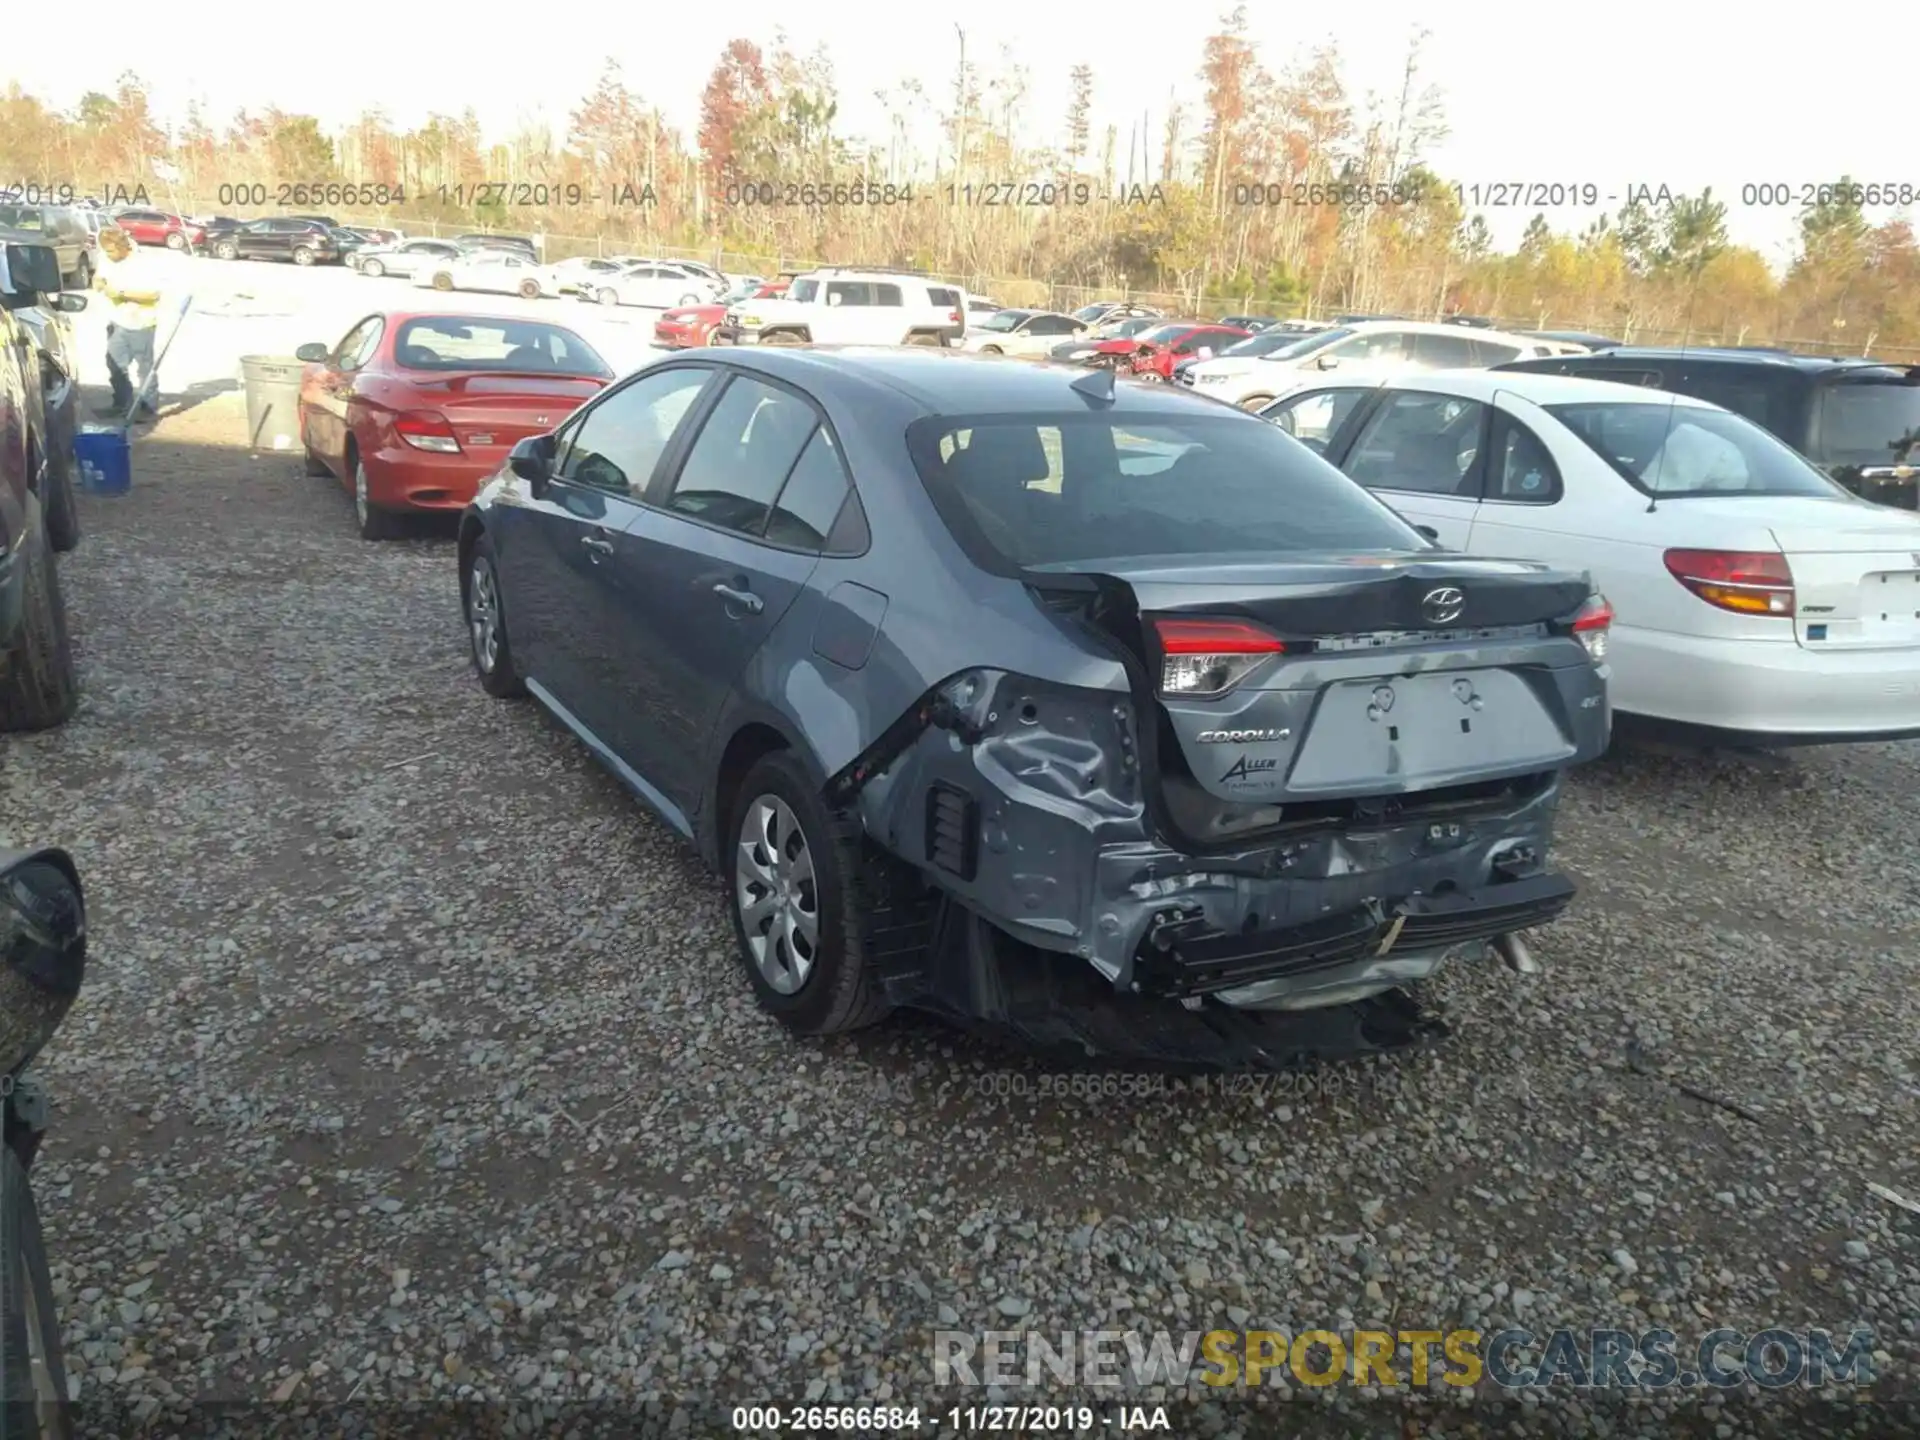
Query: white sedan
{"points": [[1031, 334], [1753, 596], [499, 272], [658, 284], [575, 276]]}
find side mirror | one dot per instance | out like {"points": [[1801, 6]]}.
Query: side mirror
{"points": [[1428, 531], [313, 352], [34, 269], [71, 303], [1328, 362], [532, 461]]}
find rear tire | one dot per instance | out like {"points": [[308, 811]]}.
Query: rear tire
{"points": [[176, 241], [33, 1371], [41, 687], [443, 282], [83, 274], [991, 350], [226, 250], [782, 337], [607, 297], [373, 522], [302, 255], [483, 603], [830, 984]]}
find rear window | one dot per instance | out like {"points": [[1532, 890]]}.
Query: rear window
{"points": [[21, 217], [1073, 488], [518, 346], [1870, 423], [1671, 451]]}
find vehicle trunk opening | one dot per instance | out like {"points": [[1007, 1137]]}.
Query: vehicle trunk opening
{"points": [[1312, 694]]}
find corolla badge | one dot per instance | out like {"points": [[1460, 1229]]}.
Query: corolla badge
{"points": [[1443, 606]]}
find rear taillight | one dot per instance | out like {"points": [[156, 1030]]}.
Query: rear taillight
{"points": [[425, 430], [1745, 583], [955, 317], [1210, 657], [1591, 624]]}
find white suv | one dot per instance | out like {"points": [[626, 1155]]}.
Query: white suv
{"points": [[1369, 348], [851, 307]]}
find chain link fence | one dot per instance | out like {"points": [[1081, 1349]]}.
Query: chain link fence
{"points": [[1045, 295]]}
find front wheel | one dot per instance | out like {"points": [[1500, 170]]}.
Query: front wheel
{"points": [[373, 268], [690, 299], [486, 618], [607, 297], [176, 241], [63, 516], [803, 896], [991, 350], [443, 281], [529, 289], [226, 250], [302, 255], [33, 1371]]}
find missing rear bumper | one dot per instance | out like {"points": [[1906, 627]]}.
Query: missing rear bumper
{"points": [[1367, 947]]}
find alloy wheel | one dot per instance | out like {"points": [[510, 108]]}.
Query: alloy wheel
{"points": [[483, 615], [775, 891]]}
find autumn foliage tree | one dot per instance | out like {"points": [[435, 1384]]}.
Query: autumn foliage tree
{"points": [[1177, 204]]}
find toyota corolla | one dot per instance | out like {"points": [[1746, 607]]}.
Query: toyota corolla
{"points": [[1101, 714]]}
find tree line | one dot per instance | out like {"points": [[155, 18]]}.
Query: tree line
{"points": [[1277, 188]]}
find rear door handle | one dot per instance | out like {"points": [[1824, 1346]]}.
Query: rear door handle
{"points": [[597, 545], [745, 599]]}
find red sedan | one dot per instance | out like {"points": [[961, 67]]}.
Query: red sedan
{"points": [[157, 227], [687, 327], [1156, 352], [413, 411]]}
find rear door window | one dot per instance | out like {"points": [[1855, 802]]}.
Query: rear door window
{"points": [[1523, 471], [1442, 352], [849, 292]]}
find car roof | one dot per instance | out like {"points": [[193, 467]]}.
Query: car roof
{"points": [[1541, 389], [1775, 360], [956, 382], [1435, 327]]}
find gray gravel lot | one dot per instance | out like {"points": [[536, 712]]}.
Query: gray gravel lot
{"points": [[415, 1061]]}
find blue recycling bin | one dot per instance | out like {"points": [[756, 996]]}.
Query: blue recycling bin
{"points": [[104, 458]]}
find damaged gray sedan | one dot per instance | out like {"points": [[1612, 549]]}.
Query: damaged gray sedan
{"points": [[1104, 716]]}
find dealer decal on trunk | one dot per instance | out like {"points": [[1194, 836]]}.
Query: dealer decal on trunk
{"points": [[1245, 768]]}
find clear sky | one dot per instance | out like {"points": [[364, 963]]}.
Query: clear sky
{"points": [[1683, 93]]}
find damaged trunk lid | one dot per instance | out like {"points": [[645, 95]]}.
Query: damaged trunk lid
{"points": [[1311, 678]]}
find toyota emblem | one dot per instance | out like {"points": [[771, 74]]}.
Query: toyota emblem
{"points": [[1443, 606]]}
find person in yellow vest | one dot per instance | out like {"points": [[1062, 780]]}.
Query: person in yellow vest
{"points": [[134, 286]]}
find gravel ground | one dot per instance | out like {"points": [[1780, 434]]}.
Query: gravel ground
{"points": [[415, 1062]]}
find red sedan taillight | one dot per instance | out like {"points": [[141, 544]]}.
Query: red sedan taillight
{"points": [[1204, 658], [1743, 582], [425, 430]]}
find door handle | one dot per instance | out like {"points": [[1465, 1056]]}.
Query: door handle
{"points": [[745, 599], [597, 545]]}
